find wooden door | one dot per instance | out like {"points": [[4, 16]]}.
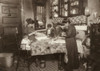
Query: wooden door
{"points": [[10, 17]]}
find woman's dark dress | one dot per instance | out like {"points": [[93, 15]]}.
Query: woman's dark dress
{"points": [[73, 61]]}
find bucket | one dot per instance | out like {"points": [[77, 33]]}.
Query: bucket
{"points": [[6, 59]]}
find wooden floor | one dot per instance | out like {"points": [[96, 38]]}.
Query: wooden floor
{"points": [[50, 66]]}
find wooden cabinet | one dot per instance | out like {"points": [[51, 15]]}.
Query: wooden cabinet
{"points": [[10, 39], [10, 21], [1, 42]]}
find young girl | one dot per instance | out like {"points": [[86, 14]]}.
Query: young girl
{"points": [[50, 30], [25, 43], [86, 48]]}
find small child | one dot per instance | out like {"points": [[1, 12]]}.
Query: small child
{"points": [[80, 48], [50, 30], [86, 48], [25, 43]]}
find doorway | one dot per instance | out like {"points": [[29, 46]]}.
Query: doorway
{"points": [[40, 14], [10, 27]]}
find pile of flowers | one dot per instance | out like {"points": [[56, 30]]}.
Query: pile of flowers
{"points": [[46, 47], [39, 47]]}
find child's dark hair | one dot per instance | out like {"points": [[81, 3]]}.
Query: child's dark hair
{"points": [[49, 25], [29, 21]]}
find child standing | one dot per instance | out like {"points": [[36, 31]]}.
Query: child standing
{"points": [[25, 43], [86, 48]]}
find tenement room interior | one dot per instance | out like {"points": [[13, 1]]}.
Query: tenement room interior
{"points": [[49, 35]]}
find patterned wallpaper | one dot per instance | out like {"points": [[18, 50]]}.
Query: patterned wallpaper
{"points": [[78, 19], [74, 20]]}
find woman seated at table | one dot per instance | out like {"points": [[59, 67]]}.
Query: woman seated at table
{"points": [[29, 28]]}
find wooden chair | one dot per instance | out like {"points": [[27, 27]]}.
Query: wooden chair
{"points": [[24, 57]]}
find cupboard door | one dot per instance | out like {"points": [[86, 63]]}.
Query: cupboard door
{"points": [[10, 15], [10, 18], [1, 33]]}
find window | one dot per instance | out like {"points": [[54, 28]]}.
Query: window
{"points": [[40, 14], [55, 8], [65, 8], [76, 7]]}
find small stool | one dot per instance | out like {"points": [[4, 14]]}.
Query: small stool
{"points": [[6, 59]]}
